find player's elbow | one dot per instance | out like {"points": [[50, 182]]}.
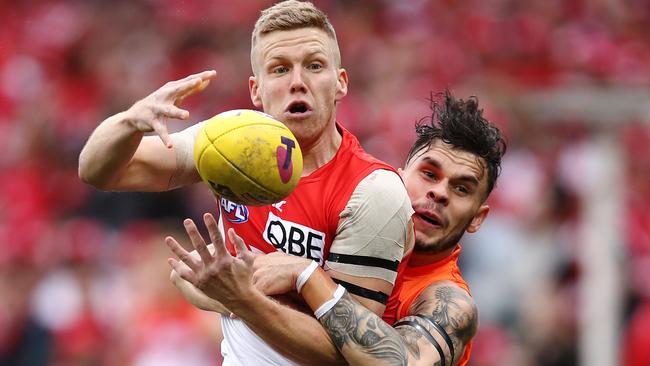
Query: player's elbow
{"points": [[89, 174], [87, 177], [84, 171], [466, 321]]}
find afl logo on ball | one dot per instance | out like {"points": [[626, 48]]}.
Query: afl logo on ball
{"points": [[234, 212], [285, 165]]}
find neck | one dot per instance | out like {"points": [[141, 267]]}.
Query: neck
{"points": [[421, 258], [320, 151]]}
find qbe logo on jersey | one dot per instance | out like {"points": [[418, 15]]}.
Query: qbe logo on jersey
{"points": [[234, 212], [294, 239]]}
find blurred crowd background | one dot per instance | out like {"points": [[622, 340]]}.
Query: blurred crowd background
{"points": [[560, 270]]}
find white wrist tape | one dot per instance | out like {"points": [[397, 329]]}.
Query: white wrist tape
{"points": [[305, 274], [329, 304]]}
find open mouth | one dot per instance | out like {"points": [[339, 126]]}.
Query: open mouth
{"points": [[431, 220], [298, 109]]}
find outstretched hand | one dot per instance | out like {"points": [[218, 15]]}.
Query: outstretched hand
{"points": [[220, 276], [151, 113]]}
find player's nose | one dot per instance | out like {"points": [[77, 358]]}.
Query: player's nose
{"points": [[298, 81], [438, 192]]}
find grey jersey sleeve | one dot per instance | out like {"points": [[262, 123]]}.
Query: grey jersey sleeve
{"points": [[373, 228]]}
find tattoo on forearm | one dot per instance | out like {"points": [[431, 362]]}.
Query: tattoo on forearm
{"points": [[351, 326]]}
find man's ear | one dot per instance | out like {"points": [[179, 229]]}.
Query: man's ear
{"points": [[341, 85], [253, 88], [477, 220]]}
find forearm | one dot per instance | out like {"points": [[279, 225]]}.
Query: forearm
{"points": [[108, 151], [360, 335], [295, 335]]}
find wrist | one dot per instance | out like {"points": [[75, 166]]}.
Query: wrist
{"points": [[329, 304], [318, 289], [301, 277], [246, 302], [129, 121]]}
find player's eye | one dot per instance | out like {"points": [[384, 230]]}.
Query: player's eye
{"points": [[280, 69], [315, 66], [462, 190], [428, 174]]}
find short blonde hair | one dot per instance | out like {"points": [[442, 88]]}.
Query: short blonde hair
{"points": [[290, 15]]}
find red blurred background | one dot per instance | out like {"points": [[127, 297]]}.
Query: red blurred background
{"points": [[560, 270]]}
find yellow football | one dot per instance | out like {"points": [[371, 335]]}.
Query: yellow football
{"points": [[248, 157]]}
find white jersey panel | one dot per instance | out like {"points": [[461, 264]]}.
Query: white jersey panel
{"points": [[242, 347]]}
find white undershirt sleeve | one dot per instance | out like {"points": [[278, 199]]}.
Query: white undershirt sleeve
{"points": [[184, 150]]}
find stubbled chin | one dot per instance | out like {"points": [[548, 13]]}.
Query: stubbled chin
{"points": [[426, 246], [428, 234]]}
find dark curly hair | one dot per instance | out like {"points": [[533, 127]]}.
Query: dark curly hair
{"points": [[460, 123]]}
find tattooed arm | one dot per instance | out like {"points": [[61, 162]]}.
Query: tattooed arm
{"points": [[362, 337], [444, 319]]}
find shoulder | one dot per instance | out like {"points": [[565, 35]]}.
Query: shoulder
{"points": [[355, 159], [378, 202], [381, 188], [381, 201]]}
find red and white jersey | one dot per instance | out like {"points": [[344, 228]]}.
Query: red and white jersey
{"points": [[354, 206], [305, 222]]}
